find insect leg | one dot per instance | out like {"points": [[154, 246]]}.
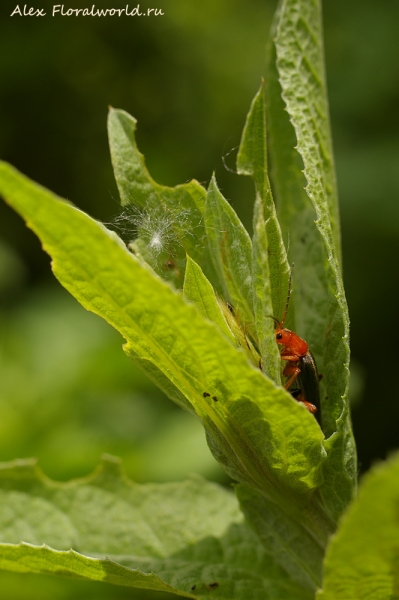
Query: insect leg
{"points": [[291, 371]]}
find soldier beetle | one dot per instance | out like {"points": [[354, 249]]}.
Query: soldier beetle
{"points": [[301, 366]]}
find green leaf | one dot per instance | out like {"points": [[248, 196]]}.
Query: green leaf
{"points": [[252, 161], [310, 218], [293, 547], [362, 561], [200, 292], [269, 257], [230, 248], [164, 218], [259, 434], [262, 297], [187, 538]]}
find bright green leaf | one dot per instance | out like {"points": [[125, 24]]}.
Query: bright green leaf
{"points": [[256, 430], [362, 561], [200, 292]]}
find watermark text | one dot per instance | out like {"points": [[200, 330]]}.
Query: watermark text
{"points": [[61, 10]]}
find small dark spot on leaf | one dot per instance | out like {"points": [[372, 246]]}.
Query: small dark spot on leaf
{"points": [[326, 398], [214, 398], [193, 587], [206, 395], [213, 585]]}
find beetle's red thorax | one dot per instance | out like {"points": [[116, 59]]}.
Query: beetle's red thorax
{"points": [[294, 345]]}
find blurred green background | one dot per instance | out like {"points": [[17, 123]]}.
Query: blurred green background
{"points": [[67, 392]]}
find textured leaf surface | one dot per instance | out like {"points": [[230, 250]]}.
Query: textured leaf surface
{"points": [[106, 528], [259, 434], [310, 218], [288, 540], [231, 251], [252, 161], [362, 561]]}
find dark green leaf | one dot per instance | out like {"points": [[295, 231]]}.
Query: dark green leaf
{"points": [[187, 538], [310, 218]]}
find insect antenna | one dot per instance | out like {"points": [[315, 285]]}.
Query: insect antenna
{"points": [[276, 321], [288, 298]]}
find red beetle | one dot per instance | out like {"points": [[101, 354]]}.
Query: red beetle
{"points": [[301, 365]]}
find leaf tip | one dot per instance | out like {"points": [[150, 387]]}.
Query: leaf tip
{"points": [[111, 465], [213, 186]]}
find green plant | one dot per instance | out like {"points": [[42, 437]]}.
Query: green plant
{"points": [[169, 294]]}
